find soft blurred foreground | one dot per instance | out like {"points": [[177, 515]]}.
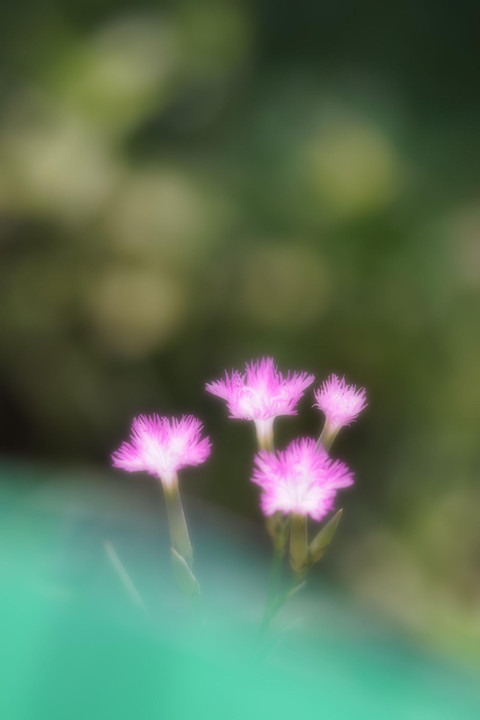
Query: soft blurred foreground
{"points": [[80, 642]]}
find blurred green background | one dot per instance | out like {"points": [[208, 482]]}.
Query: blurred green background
{"points": [[188, 185]]}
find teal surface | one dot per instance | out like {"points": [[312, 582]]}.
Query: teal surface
{"points": [[75, 645]]}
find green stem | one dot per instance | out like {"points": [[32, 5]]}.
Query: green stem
{"points": [[298, 544], [277, 604], [327, 436], [275, 577], [176, 521], [181, 547]]}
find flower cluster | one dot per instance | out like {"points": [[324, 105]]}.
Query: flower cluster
{"points": [[298, 482], [301, 479]]}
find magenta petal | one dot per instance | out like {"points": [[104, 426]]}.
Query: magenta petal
{"points": [[161, 446], [261, 392], [301, 479]]}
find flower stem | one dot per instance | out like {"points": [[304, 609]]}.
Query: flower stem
{"points": [[181, 547], [327, 436], [277, 603], [176, 522], [298, 544], [273, 587], [264, 430]]}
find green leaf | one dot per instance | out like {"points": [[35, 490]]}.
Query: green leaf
{"points": [[295, 589], [185, 578], [323, 538]]}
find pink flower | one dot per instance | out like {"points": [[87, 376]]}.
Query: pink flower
{"points": [[302, 479], [340, 402], [261, 393], [161, 446]]}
